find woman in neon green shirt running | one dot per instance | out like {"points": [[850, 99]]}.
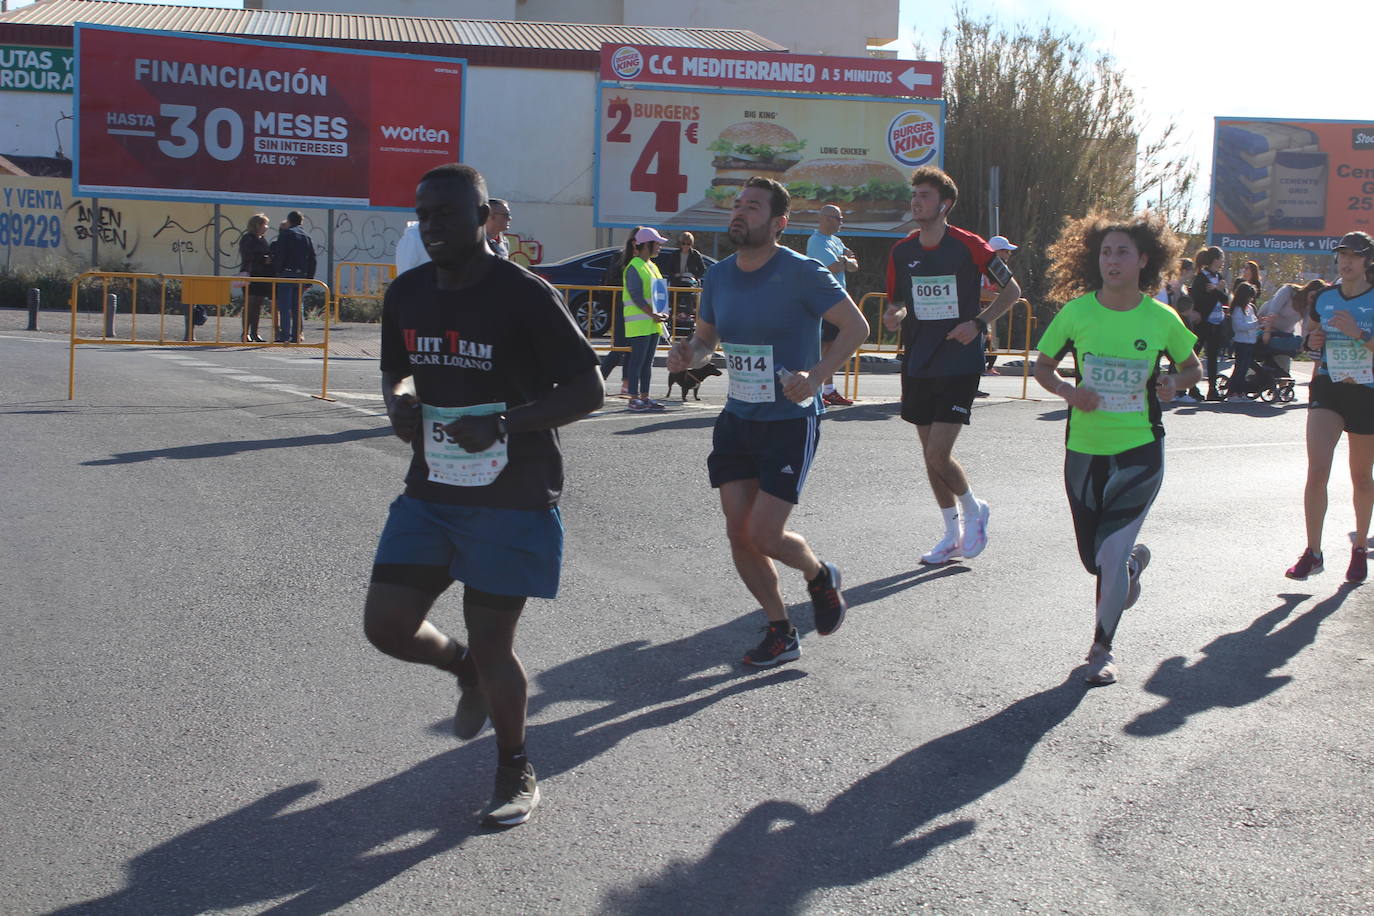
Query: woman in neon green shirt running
{"points": [[1103, 268]]}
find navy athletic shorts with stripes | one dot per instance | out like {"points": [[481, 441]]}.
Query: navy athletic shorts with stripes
{"points": [[776, 453]]}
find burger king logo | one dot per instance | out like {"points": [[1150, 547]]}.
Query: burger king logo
{"points": [[912, 138], [627, 63]]}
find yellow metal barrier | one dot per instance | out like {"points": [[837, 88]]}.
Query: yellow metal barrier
{"points": [[881, 345], [193, 290], [361, 280], [587, 321]]}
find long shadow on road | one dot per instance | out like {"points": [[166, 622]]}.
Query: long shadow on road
{"points": [[779, 852], [1235, 668], [325, 855], [238, 446]]}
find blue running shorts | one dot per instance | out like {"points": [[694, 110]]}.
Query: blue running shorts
{"points": [[501, 551]]}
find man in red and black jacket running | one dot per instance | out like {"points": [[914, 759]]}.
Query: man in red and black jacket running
{"points": [[933, 281]]}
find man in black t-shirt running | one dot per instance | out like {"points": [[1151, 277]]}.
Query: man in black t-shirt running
{"points": [[481, 361], [933, 281]]}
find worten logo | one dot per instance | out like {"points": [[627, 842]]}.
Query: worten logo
{"points": [[1362, 138], [417, 132]]}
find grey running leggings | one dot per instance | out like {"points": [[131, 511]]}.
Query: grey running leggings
{"points": [[1109, 496]]}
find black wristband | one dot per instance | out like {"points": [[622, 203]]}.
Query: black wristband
{"points": [[982, 325]]}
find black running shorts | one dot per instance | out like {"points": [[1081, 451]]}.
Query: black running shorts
{"points": [[945, 399], [1354, 403]]}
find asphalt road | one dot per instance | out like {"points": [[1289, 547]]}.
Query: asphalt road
{"points": [[192, 722]]}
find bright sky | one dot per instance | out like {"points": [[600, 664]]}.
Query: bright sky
{"points": [[1186, 60]]}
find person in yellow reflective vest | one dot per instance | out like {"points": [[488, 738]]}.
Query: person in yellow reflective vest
{"points": [[645, 304]]}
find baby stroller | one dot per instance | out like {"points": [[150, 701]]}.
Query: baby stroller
{"points": [[1266, 380]]}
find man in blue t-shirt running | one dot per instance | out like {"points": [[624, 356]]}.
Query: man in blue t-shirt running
{"points": [[764, 305]]}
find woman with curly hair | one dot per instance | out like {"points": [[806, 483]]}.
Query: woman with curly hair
{"points": [[1102, 267]]}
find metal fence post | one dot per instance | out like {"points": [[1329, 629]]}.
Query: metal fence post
{"points": [[35, 298], [111, 306]]}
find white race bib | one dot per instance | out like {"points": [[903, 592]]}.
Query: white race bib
{"points": [[751, 372], [1347, 358], [448, 463], [1120, 383], [935, 298]]}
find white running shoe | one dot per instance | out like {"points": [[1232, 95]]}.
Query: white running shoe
{"points": [[1101, 666], [975, 536], [943, 552], [1139, 559]]}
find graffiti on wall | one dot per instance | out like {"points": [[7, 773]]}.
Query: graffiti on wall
{"points": [[525, 251], [39, 220]]}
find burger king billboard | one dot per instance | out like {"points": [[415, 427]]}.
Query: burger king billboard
{"points": [[676, 157]]}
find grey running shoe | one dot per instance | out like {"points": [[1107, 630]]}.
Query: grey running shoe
{"points": [[516, 795], [1140, 558], [780, 644], [826, 601], [1101, 666]]}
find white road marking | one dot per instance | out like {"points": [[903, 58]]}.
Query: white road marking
{"points": [[1216, 448]]}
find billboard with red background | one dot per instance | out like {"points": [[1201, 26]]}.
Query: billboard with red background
{"points": [[1290, 186], [187, 117]]}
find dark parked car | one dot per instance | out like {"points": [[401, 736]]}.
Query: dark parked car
{"points": [[588, 269]]}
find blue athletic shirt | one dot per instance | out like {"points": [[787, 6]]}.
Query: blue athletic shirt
{"points": [[779, 305], [962, 255], [1330, 301]]}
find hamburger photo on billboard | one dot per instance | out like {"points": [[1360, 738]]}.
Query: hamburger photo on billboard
{"points": [[864, 189], [746, 149]]}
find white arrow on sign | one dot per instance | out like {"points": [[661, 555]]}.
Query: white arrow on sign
{"points": [[911, 79]]}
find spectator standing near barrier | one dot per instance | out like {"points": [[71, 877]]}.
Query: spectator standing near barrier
{"points": [[987, 292], [497, 225], [614, 275], [410, 248], [293, 255], [1177, 296], [1342, 401], [933, 278], [644, 303], [1245, 332], [764, 305], [824, 245], [496, 363], [1285, 312], [255, 260], [1209, 297], [1114, 455]]}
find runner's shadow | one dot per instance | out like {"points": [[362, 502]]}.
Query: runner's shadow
{"points": [[325, 856], [235, 447], [879, 589], [322, 856], [866, 410], [780, 853], [639, 686], [696, 421], [1235, 668]]}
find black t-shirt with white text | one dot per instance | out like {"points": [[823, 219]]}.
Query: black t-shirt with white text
{"points": [[507, 339]]}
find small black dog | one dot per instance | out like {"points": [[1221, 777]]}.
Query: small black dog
{"points": [[690, 380]]}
